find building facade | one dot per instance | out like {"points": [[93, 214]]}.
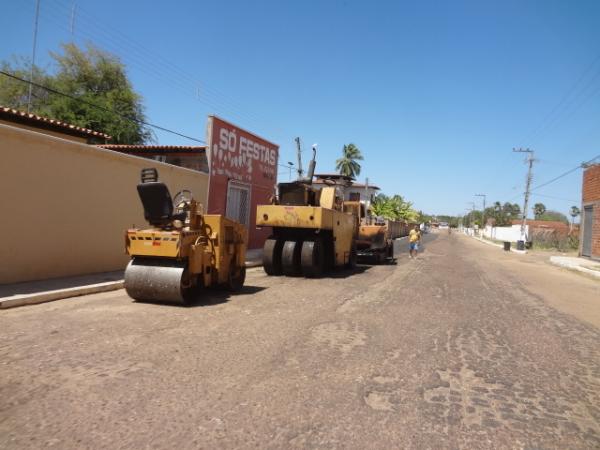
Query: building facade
{"points": [[351, 190], [590, 213], [189, 157], [243, 174]]}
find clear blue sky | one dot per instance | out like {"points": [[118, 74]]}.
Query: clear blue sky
{"points": [[435, 94]]}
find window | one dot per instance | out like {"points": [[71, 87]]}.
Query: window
{"points": [[238, 203]]}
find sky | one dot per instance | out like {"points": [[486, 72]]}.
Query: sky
{"points": [[435, 94]]}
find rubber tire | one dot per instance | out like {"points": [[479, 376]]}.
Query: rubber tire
{"points": [[272, 256], [312, 258], [235, 283], [290, 258], [353, 257]]}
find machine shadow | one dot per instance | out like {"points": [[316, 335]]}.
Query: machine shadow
{"points": [[345, 273], [210, 297]]}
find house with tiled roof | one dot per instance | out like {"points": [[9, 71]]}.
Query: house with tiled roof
{"points": [[52, 127], [189, 156]]}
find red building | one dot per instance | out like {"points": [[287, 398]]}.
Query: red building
{"points": [[190, 157], [590, 213], [243, 174]]}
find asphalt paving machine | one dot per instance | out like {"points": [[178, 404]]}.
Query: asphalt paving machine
{"points": [[184, 250], [375, 239], [311, 232]]}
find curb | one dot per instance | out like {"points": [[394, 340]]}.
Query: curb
{"points": [[58, 294], [49, 296], [250, 264], [513, 250], [593, 273]]}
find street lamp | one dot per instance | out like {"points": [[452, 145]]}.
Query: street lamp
{"points": [[290, 165]]}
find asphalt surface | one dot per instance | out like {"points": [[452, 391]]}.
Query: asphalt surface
{"points": [[455, 349]]}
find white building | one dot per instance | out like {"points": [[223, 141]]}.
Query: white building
{"points": [[352, 190]]}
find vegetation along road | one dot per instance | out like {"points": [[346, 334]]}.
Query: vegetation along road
{"points": [[456, 349]]}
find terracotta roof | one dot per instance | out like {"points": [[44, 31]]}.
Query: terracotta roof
{"points": [[554, 224], [153, 149], [45, 122]]}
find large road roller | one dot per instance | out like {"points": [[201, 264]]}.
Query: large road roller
{"points": [[311, 233], [184, 250]]}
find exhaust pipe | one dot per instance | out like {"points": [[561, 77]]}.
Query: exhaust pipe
{"points": [[311, 165]]}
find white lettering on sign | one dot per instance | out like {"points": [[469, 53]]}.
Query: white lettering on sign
{"points": [[233, 154]]}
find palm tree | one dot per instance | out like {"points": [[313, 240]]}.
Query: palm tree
{"points": [[575, 211], [347, 164], [539, 209]]}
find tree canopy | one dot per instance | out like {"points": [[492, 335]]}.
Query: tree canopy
{"points": [[347, 164], [538, 210], [105, 100], [394, 208]]}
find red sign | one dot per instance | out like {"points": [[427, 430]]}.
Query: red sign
{"points": [[243, 173]]}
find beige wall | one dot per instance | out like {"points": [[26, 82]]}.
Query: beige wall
{"points": [[65, 205]]}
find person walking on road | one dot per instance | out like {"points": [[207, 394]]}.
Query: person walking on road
{"points": [[414, 238]]}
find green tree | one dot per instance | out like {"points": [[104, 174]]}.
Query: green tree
{"points": [[574, 211], [15, 93], [347, 164], [93, 77], [538, 210], [553, 216], [394, 208]]}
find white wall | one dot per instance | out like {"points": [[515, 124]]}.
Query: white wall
{"points": [[505, 234]]}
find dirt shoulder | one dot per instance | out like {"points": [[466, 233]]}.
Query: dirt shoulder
{"points": [[567, 291]]}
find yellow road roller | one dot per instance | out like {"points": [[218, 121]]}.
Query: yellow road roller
{"points": [[183, 250], [311, 233]]}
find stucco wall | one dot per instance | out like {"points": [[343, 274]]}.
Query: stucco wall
{"points": [[65, 205]]}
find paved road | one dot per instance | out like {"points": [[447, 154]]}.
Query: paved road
{"points": [[457, 349]]}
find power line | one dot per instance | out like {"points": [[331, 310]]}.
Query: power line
{"points": [[534, 194], [93, 105], [153, 63], [565, 173]]}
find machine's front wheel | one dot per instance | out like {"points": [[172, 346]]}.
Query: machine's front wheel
{"points": [[352, 257], [312, 258], [272, 256], [290, 258], [236, 278]]}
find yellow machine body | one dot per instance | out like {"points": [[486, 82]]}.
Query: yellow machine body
{"points": [[374, 241], [308, 239], [182, 252], [211, 252]]}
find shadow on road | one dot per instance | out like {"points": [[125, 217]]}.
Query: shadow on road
{"points": [[210, 297]]}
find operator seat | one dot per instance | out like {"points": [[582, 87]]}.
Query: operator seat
{"points": [[156, 199]]}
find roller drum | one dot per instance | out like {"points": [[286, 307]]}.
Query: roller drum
{"points": [[157, 280]]}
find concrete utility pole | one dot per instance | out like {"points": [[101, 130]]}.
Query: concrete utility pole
{"points": [[529, 161], [483, 210]]}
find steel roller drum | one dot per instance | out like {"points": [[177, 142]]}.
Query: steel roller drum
{"points": [[156, 280]]}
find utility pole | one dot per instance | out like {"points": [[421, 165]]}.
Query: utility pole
{"points": [[529, 161], [482, 211], [35, 30]]}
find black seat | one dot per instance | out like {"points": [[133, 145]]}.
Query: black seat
{"points": [[157, 202]]}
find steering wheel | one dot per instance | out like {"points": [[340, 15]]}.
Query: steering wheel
{"points": [[182, 199]]}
